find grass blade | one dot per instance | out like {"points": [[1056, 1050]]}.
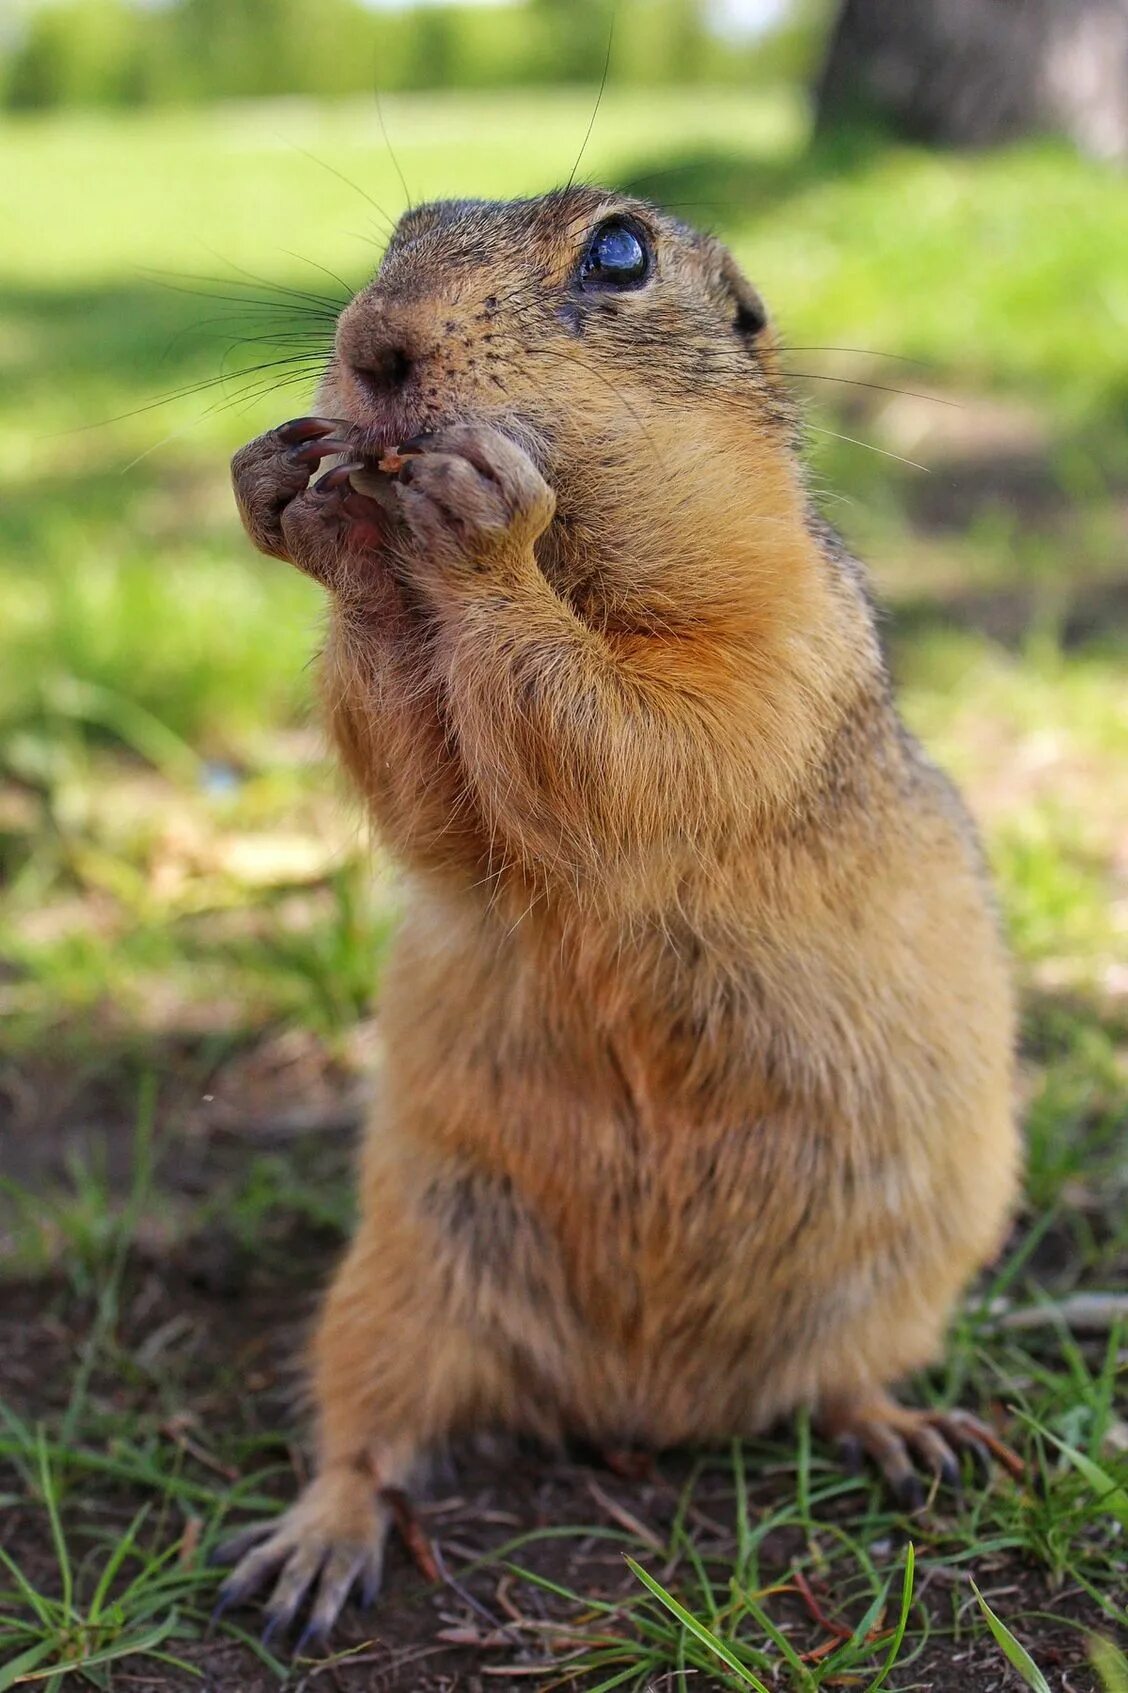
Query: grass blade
{"points": [[127, 1645], [17, 1669], [1015, 1653], [803, 1677], [696, 1628], [117, 1557], [40, 1607], [1111, 1496], [868, 1623], [47, 1486], [1110, 1664], [902, 1621]]}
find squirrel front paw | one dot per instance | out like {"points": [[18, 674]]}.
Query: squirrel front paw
{"points": [[473, 500], [328, 530]]}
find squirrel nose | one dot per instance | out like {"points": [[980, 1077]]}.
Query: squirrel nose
{"points": [[384, 369], [379, 347]]}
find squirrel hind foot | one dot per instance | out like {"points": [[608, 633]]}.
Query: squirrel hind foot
{"points": [[330, 1543], [903, 1442]]}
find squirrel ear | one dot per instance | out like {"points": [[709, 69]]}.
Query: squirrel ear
{"points": [[749, 313]]}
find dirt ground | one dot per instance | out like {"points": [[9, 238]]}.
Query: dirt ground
{"points": [[482, 1501], [201, 1367]]}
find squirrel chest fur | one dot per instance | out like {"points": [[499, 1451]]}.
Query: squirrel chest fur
{"points": [[697, 1103]]}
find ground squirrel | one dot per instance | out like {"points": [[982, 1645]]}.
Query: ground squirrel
{"points": [[698, 1100]]}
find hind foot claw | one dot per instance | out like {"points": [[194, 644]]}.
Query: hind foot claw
{"points": [[325, 1545], [899, 1440]]}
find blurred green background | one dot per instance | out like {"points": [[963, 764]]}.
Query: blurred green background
{"points": [[118, 53], [176, 857]]}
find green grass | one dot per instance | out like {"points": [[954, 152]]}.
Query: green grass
{"points": [[188, 896]]}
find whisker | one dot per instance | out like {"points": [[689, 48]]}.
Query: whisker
{"points": [[635, 184], [879, 387], [197, 388], [867, 352], [817, 429], [287, 335], [326, 312], [595, 109], [310, 355], [257, 392], [391, 149], [341, 177], [246, 396], [281, 332], [369, 240], [303, 339], [350, 291], [280, 287]]}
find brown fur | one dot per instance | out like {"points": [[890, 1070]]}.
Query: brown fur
{"points": [[698, 1103]]}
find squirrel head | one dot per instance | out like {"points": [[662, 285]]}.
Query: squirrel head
{"points": [[625, 351]]}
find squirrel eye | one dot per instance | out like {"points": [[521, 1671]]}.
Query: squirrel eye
{"points": [[617, 257]]}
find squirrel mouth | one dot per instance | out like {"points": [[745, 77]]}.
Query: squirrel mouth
{"points": [[382, 414], [393, 424]]}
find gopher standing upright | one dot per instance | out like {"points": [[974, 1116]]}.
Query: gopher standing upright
{"points": [[698, 1093]]}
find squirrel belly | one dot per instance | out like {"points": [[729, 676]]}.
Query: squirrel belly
{"points": [[696, 1173]]}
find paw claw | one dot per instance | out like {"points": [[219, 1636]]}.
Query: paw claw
{"points": [[950, 1473], [309, 1641], [336, 478], [909, 1494], [305, 429], [968, 1431], [233, 1592], [850, 1454], [339, 1576], [981, 1464], [229, 1551], [370, 1588], [473, 500], [893, 1437], [331, 1539], [298, 1575], [929, 1446], [271, 481], [252, 1570], [312, 452]]}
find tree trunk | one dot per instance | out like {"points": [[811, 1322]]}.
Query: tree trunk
{"points": [[971, 73]]}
